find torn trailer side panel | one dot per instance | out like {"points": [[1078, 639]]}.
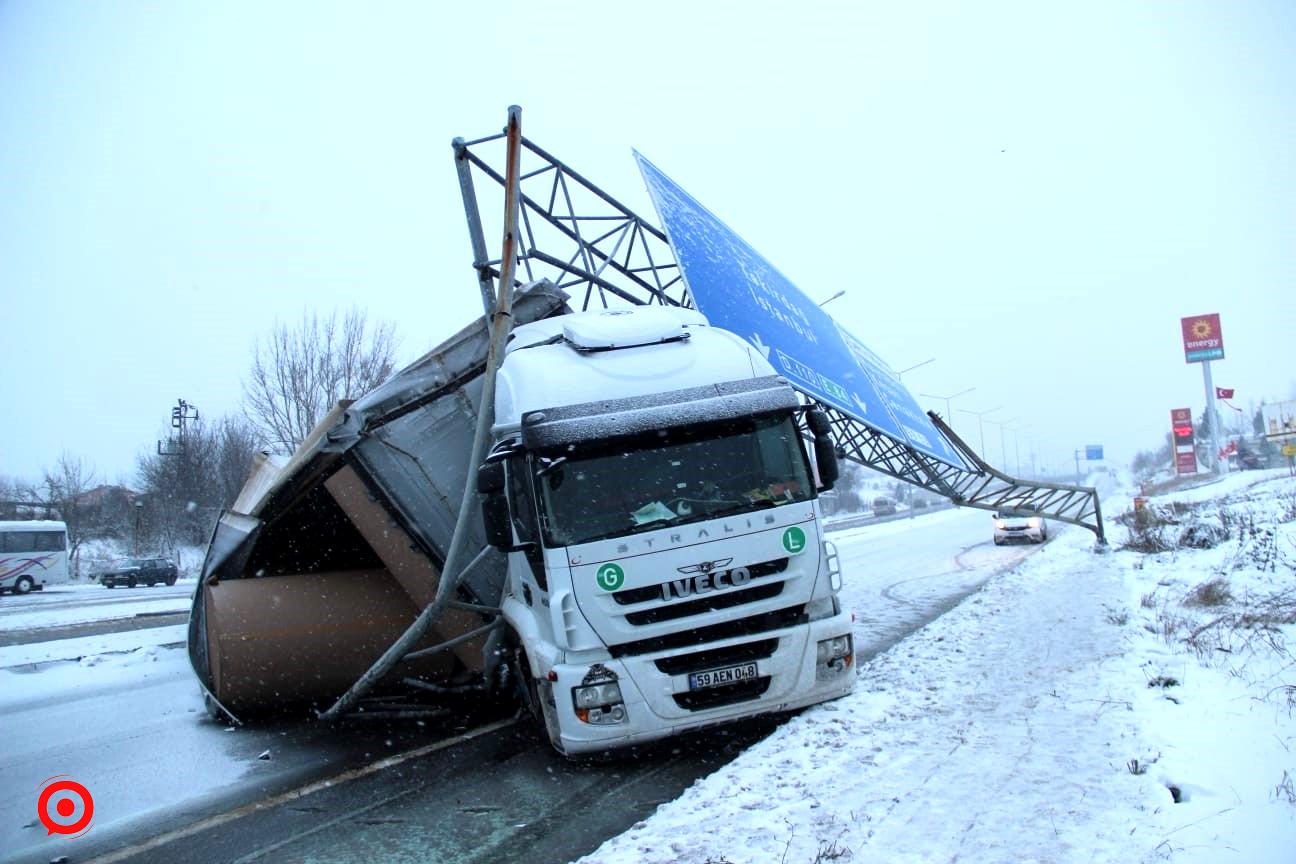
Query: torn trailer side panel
{"points": [[340, 547]]}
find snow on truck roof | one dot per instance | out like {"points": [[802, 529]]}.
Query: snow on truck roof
{"points": [[622, 353]]}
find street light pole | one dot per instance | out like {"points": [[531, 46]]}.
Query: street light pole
{"points": [[1016, 430], [139, 508], [1003, 441], [980, 415], [915, 366], [947, 399]]}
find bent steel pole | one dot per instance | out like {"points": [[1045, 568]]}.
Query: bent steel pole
{"points": [[501, 324]]}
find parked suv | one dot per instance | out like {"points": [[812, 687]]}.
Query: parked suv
{"points": [[1019, 525], [139, 571]]}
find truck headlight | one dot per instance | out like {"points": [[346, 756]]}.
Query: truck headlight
{"points": [[1033, 522], [599, 704], [834, 656]]}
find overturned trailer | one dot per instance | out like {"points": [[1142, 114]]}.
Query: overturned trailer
{"points": [[326, 558]]}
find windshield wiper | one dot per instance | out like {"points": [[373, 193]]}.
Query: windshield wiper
{"points": [[648, 526]]}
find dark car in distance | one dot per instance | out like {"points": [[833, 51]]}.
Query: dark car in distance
{"points": [[139, 571]]}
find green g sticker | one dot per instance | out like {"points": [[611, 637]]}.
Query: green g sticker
{"points": [[794, 540], [610, 577]]}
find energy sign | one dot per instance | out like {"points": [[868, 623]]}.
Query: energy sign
{"points": [[740, 291], [1202, 339]]}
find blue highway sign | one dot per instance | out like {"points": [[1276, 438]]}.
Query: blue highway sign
{"points": [[738, 290]]}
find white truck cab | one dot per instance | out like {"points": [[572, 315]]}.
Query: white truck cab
{"points": [[667, 563]]}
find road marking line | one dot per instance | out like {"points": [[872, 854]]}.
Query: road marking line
{"points": [[298, 793]]}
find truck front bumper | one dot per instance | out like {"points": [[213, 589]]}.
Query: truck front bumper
{"points": [[658, 702]]}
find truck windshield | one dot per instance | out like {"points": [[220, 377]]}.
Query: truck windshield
{"points": [[669, 477]]}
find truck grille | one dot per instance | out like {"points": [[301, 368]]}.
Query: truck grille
{"points": [[716, 657], [791, 616], [715, 697]]}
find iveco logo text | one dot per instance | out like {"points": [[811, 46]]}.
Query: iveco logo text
{"points": [[677, 537], [705, 581]]}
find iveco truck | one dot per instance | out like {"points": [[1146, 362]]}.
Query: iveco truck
{"points": [[667, 565]]}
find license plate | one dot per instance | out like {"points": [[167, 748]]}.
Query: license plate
{"points": [[720, 677]]}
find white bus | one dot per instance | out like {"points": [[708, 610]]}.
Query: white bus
{"points": [[32, 555]]}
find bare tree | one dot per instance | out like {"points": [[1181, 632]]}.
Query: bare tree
{"points": [[65, 485], [298, 374], [236, 445], [185, 489]]}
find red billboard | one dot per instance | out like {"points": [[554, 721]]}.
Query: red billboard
{"points": [[1202, 339], [1185, 455]]}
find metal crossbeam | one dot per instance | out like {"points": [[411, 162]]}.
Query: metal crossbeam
{"points": [[602, 253]]}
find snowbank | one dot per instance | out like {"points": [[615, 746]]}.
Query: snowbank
{"points": [[1075, 709]]}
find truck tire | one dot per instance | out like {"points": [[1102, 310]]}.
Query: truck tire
{"points": [[170, 580], [536, 696], [24, 585], [130, 581]]}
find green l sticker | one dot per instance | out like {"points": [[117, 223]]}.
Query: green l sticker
{"points": [[794, 540], [610, 577]]}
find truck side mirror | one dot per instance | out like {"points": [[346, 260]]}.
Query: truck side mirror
{"points": [[494, 505], [825, 450]]}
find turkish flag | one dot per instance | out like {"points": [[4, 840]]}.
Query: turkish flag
{"points": [[1223, 393]]}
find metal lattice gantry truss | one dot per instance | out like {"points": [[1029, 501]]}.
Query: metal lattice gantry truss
{"points": [[603, 254], [572, 233]]}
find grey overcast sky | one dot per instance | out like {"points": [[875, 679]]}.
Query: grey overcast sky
{"points": [[1033, 194]]}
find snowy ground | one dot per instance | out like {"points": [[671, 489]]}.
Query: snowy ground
{"points": [[62, 605], [1080, 707]]}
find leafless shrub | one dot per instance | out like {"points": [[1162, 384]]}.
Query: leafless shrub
{"points": [[1205, 533], [1288, 511], [833, 851], [1271, 612], [1119, 617], [1285, 790], [1148, 601], [1171, 625], [1210, 594], [1149, 539]]}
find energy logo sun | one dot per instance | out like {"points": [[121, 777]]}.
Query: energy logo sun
{"points": [[1201, 328]]}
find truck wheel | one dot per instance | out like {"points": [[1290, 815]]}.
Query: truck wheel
{"points": [[536, 696], [170, 581], [24, 585], [109, 585], [524, 686], [130, 581]]}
